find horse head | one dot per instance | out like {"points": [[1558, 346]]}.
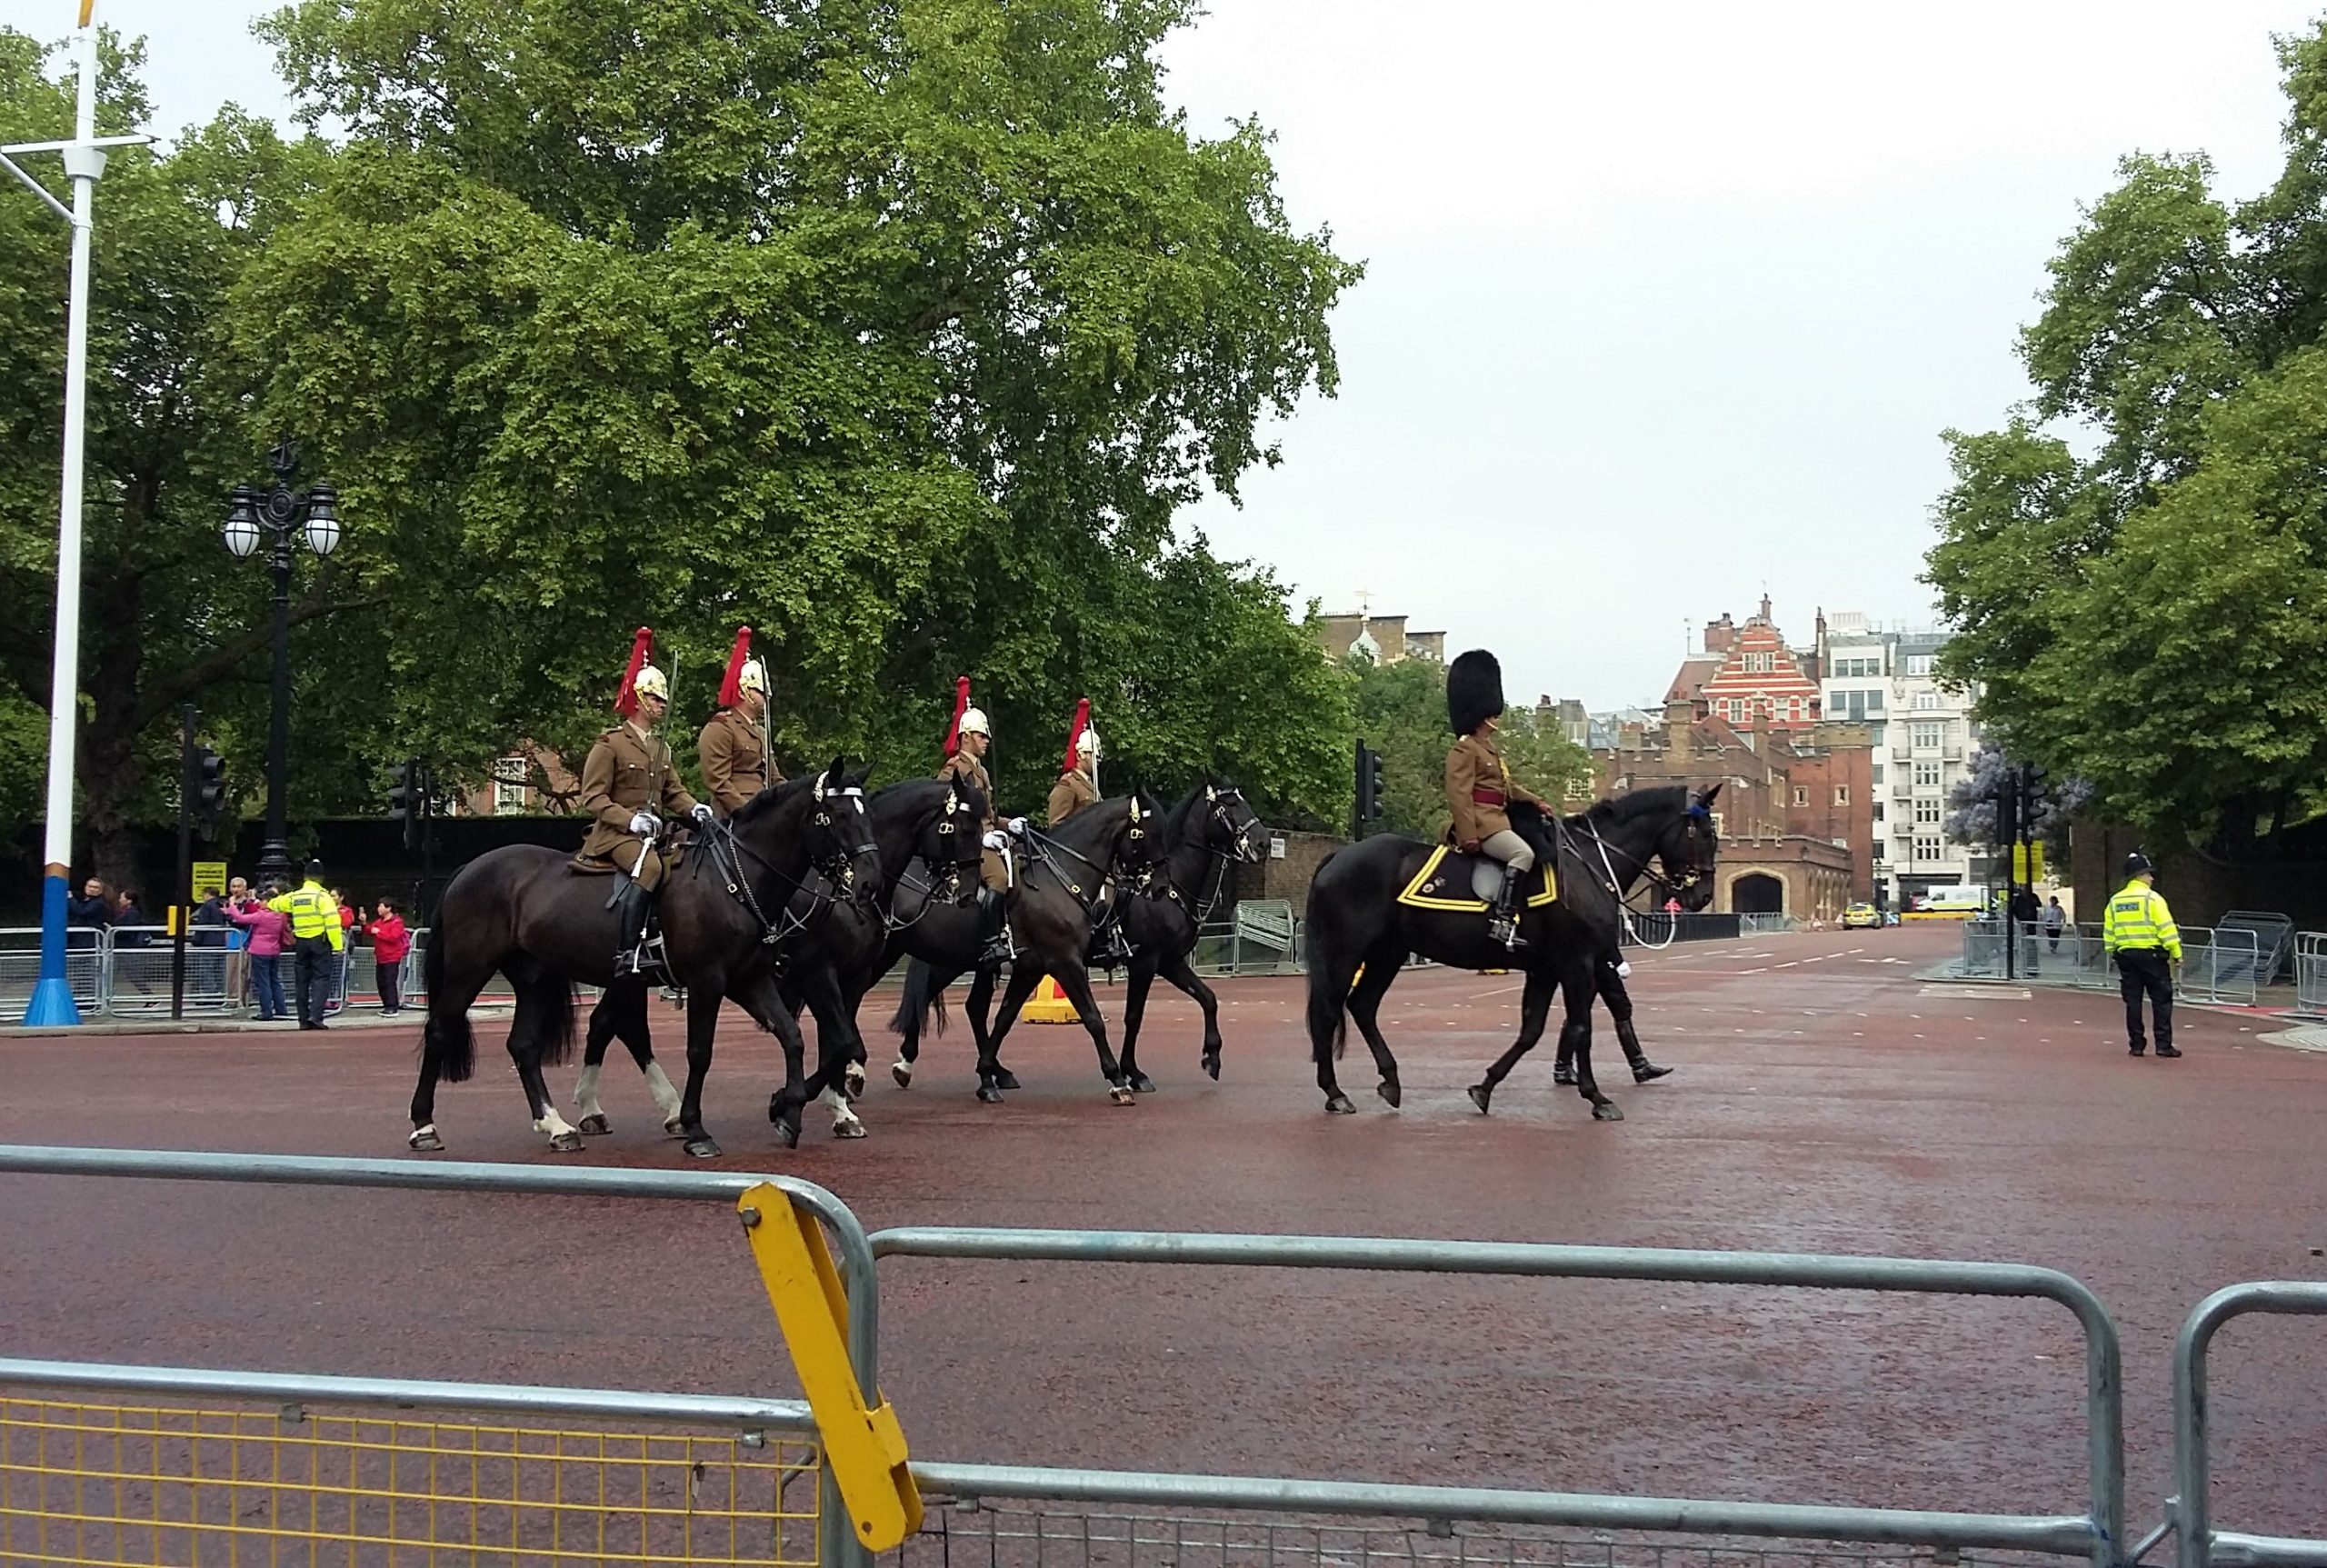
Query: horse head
{"points": [[950, 840], [1232, 829], [841, 843], [1688, 848]]}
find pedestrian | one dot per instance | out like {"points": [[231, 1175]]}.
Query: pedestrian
{"points": [[128, 919], [317, 939], [266, 928], [351, 926], [2140, 931], [2055, 917], [238, 892], [206, 933], [2025, 912], [389, 943], [91, 912]]}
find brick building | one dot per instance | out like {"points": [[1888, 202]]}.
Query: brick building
{"points": [[1750, 678], [1384, 637]]}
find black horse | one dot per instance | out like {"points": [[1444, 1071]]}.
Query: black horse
{"points": [[1165, 902], [793, 852], [1060, 874], [1355, 919]]}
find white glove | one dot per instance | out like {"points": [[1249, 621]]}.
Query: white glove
{"points": [[642, 824], [997, 841], [1623, 968], [1018, 827], [703, 814]]}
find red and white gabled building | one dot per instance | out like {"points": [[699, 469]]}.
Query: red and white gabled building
{"points": [[1749, 678]]}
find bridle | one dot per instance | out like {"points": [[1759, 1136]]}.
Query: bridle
{"points": [[948, 886], [1672, 887], [1156, 871], [832, 870], [1041, 847]]}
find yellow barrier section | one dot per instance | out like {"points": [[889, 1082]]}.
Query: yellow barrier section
{"points": [[1048, 1004], [86, 1483], [862, 1439]]}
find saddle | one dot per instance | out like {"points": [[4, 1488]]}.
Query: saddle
{"points": [[1466, 884], [669, 850]]}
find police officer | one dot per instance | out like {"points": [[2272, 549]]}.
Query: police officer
{"points": [[965, 748], [315, 934], [1479, 787], [732, 747], [627, 779], [2140, 931]]}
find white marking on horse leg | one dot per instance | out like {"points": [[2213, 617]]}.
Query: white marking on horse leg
{"points": [[843, 1116], [585, 1091], [552, 1125], [658, 1083]]}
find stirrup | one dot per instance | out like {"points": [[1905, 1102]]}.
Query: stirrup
{"points": [[998, 949], [643, 958], [1504, 928]]}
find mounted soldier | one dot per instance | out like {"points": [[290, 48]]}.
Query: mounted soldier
{"points": [[737, 763], [631, 789], [1479, 787], [966, 742], [1077, 787]]}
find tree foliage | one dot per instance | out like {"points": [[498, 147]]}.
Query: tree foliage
{"points": [[899, 332], [1401, 713], [2153, 618]]}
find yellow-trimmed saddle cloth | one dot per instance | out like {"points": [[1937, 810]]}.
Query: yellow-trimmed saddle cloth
{"points": [[1454, 883]]}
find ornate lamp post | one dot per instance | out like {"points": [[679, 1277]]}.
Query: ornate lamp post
{"points": [[312, 515]]}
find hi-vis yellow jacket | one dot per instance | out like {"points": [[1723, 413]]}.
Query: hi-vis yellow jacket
{"points": [[2138, 918]]}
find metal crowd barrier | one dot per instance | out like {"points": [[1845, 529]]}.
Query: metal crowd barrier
{"points": [[2225, 965], [124, 972], [2310, 971], [76, 1477]]}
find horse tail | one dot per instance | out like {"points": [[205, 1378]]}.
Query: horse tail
{"points": [[921, 1000], [1328, 1004], [556, 998], [447, 1041]]}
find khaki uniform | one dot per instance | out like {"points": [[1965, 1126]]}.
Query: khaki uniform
{"points": [[1478, 788], [735, 766], [1073, 792], [971, 771], [628, 772]]}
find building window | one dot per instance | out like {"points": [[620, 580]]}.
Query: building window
{"points": [[1878, 852], [1876, 769], [1801, 794], [1926, 701], [1842, 795], [1579, 789], [1919, 663], [1926, 849], [1929, 735], [1927, 774], [1926, 812], [509, 790], [1877, 809], [1874, 734]]}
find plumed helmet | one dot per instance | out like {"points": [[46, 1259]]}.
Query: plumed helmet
{"points": [[973, 723], [1473, 690], [649, 682], [745, 673], [1088, 745], [752, 677], [2137, 864]]}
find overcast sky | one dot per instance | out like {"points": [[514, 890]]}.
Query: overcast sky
{"points": [[1665, 306]]}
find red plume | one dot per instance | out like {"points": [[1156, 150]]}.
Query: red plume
{"points": [[1081, 719], [731, 690], [961, 707], [626, 699]]}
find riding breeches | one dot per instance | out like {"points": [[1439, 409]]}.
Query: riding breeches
{"points": [[1511, 849], [992, 871]]}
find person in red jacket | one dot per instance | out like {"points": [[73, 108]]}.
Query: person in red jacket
{"points": [[389, 943]]}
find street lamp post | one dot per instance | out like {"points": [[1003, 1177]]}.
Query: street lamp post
{"points": [[311, 513]]}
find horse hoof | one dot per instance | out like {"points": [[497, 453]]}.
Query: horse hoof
{"points": [[990, 1094], [1480, 1094], [1121, 1094], [851, 1128], [1388, 1089], [1607, 1111], [902, 1073], [424, 1139], [596, 1124], [1004, 1078], [1564, 1076], [674, 1128], [1649, 1071], [566, 1143], [703, 1148], [1339, 1105], [1212, 1065], [852, 1080], [1141, 1083]]}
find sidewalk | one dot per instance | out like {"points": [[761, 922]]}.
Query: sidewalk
{"points": [[363, 1020]]}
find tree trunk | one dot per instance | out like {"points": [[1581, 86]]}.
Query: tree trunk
{"points": [[107, 766]]}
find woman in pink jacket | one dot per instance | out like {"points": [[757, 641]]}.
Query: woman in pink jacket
{"points": [[268, 930]]}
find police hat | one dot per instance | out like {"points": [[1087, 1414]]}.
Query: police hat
{"points": [[314, 870], [2137, 864]]}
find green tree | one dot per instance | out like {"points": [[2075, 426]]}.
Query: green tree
{"points": [[899, 332], [2148, 619], [166, 615]]}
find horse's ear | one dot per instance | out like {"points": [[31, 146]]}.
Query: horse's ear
{"points": [[1705, 796], [839, 770]]}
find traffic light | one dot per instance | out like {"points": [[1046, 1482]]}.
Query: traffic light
{"points": [[1369, 785], [207, 798], [408, 802]]}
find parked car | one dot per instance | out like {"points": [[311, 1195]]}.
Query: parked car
{"points": [[1861, 917]]}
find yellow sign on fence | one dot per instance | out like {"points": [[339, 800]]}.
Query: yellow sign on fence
{"points": [[209, 879], [2027, 863], [863, 1445]]}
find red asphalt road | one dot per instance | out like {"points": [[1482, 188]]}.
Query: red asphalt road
{"points": [[1824, 1100]]}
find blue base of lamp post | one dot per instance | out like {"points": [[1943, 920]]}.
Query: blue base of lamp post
{"points": [[52, 1005]]}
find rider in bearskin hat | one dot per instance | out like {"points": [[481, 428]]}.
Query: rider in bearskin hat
{"points": [[1479, 787]]}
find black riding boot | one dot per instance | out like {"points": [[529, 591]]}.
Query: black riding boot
{"points": [[1502, 921], [994, 922], [1644, 1070], [638, 945]]}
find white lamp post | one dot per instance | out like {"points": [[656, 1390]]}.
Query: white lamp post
{"points": [[85, 162]]}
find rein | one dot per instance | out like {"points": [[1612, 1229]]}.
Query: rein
{"points": [[832, 870], [1620, 887]]}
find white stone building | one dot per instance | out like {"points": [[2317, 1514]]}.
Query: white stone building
{"points": [[1925, 739]]}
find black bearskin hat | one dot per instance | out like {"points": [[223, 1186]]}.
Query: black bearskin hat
{"points": [[1473, 690]]}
